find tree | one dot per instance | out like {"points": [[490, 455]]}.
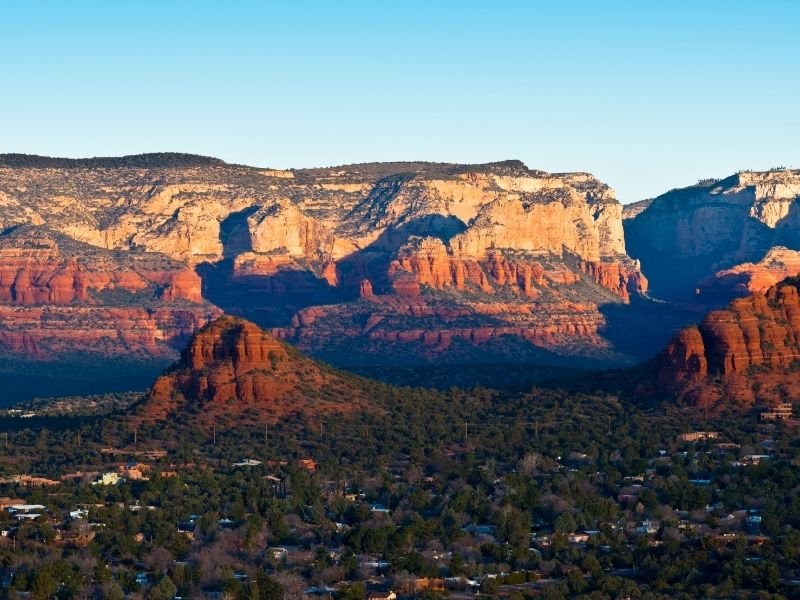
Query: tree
{"points": [[529, 464], [565, 523], [268, 588], [489, 585], [355, 591], [113, 591], [164, 590], [576, 581], [44, 584]]}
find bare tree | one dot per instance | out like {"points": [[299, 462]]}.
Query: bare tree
{"points": [[529, 464]]}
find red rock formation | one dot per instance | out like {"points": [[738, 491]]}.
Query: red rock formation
{"points": [[430, 264], [748, 352], [59, 297], [365, 290], [270, 243], [47, 279], [621, 277], [47, 332], [406, 317], [232, 366], [330, 274], [746, 278]]}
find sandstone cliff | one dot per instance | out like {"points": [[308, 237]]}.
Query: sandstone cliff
{"points": [[686, 236], [231, 369], [746, 353], [58, 297], [526, 254]]}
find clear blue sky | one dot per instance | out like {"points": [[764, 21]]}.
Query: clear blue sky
{"points": [[645, 95]]}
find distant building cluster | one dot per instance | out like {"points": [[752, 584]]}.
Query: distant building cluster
{"points": [[696, 436]]}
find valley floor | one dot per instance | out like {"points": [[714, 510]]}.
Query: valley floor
{"points": [[442, 494]]}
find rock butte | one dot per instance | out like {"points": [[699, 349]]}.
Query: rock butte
{"points": [[745, 353], [232, 368]]}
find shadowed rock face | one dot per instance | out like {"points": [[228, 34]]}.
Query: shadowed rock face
{"points": [[233, 369], [378, 254], [693, 242], [746, 353]]}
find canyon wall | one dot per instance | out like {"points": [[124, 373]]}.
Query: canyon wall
{"points": [[436, 249], [694, 241]]}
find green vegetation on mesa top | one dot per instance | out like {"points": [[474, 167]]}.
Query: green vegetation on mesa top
{"points": [[163, 160], [542, 492], [430, 170], [154, 160]]}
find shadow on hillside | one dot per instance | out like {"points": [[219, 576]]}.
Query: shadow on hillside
{"points": [[272, 300], [269, 301], [652, 238], [642, 328], [234, 233]]}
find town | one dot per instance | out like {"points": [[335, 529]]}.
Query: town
{"points": [[554, 514]]}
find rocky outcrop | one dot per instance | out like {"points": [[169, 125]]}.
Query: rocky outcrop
{"points": [[59, 297], [190, 212], [232, 370], [285, 229], [685, 236], [535, 310], [45, 277], [747, 278], [745, 353], [50, 333], [429, 263], [557, 222]]}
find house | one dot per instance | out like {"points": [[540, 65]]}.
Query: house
{"points": [[309, 464], [26, 512], [479, 530], [381, 596], [780, 412], [696, 436], [578, 538], [647, 527], [80, 475], [429, 583], [6, 502], [727, 446], [278, 553], [25, 508], [247, 462], [29, 481], [322, 592], [109, 478], [79, 538], [134, 472], [752, 524]]}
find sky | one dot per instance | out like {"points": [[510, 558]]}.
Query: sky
{"points": [[647, 96]]}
